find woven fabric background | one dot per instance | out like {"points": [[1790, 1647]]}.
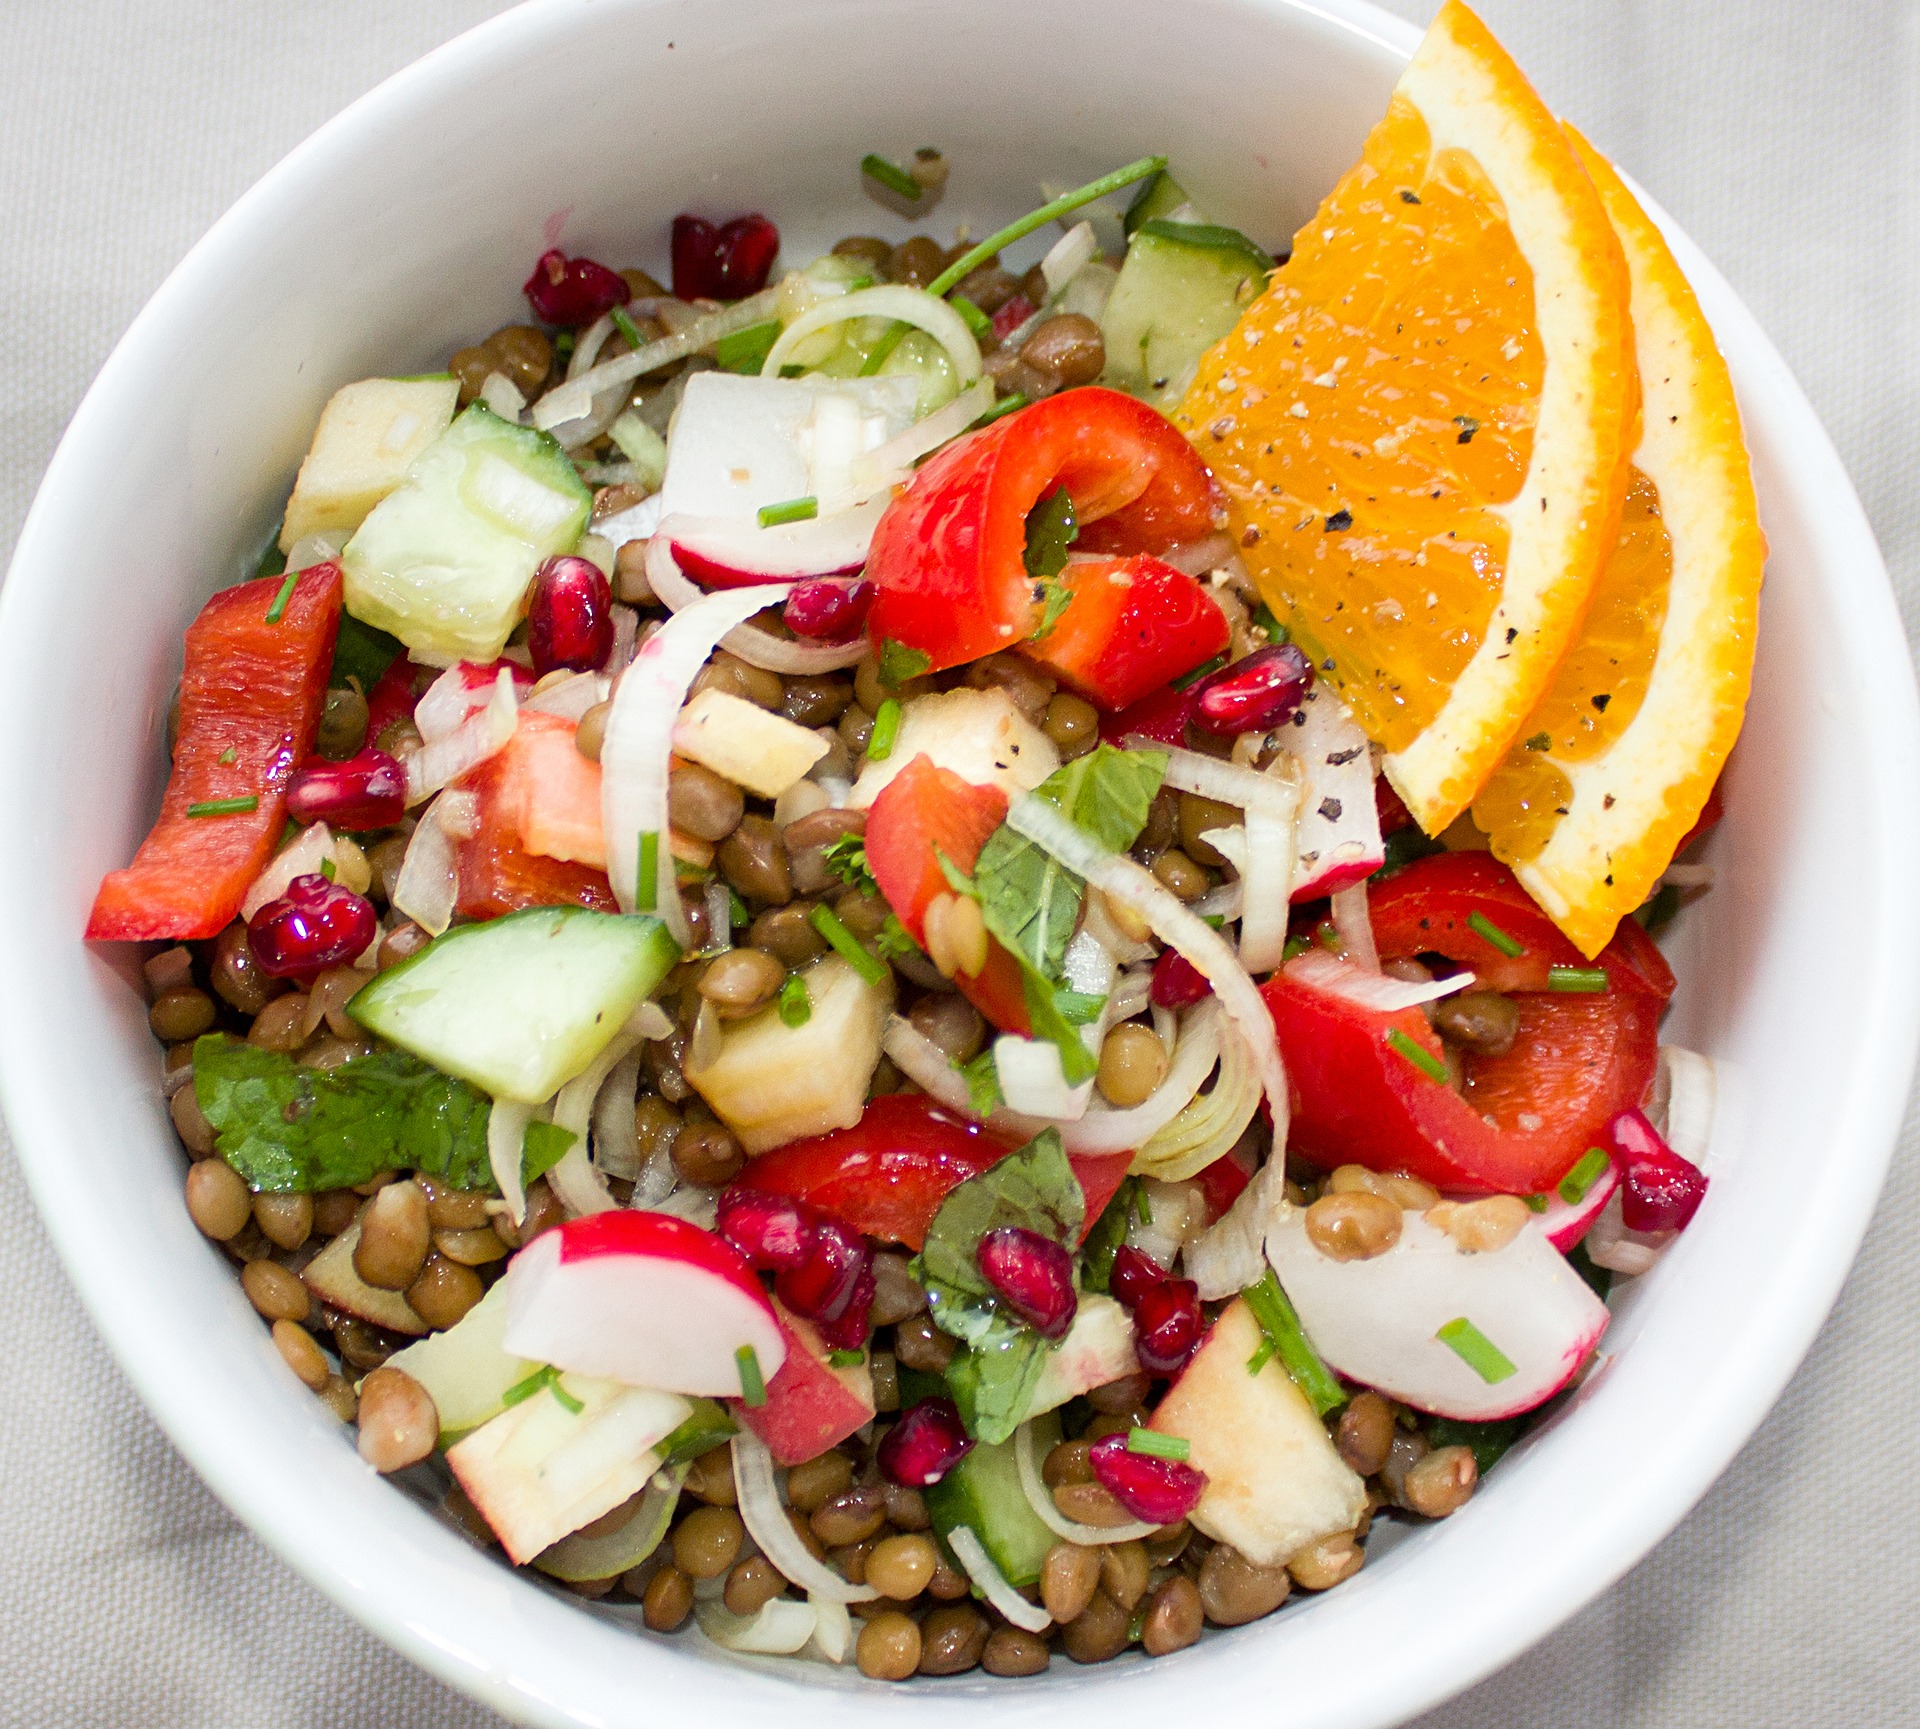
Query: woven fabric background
{"points": [[1785, 136]]}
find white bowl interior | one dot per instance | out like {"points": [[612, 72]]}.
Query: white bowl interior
{"points": [[403, 231]]}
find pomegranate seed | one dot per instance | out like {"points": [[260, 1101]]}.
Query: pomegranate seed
{"points": [[1263, 690], [927, 1442], [316, 924], [1659, 1190], [1166, 1326], [824, 1286], [724, 263], [1177, 982], [365, 791], [573, 291], [774, 1233], [848, 1331], [1034, 1276], [1161, 1491], [569, 617], [828, 611], [1134, 1274]]}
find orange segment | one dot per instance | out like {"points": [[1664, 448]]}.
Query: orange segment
{"points": [[1615, 764], [1422, 423]]}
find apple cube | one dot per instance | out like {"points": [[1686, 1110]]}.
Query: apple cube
{"points": [[811, 1405], [1098, 1348], [330, 1276], [978, 734], [367, 439], [763, 752], [466, 1370]]}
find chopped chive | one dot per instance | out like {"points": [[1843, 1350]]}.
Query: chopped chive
{"points": [[1575, 1184], [563, 345], [278, 610], [1266, 619], [1582, 979], [1157, 1445], [1327, 933], [882, 351], [230, 755], [224, 806], [1476, 1350], [1510, 946], [796, 1005], [793, 510], [1296, 947], [328, 870], [846, 945], [623, 322], [963, 266], [646, 880], [1142, 1205], [899, 663], [1262, 1357], [886, 728], [753, 1386], [1200, 672], [846, 1359], [522, 1390], [1291, 1344], [737, 914], [1535, 1203], [890, 175], [747, 350], [970, 315], [1422, 1059], [566, 1399], [1005, 406]]}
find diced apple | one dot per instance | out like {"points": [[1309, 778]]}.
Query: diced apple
{"points": [[330, 1276], [761, 751], [811, 1405], [1098, 1348], [1337, 834], [466, 1370], [563, 1456], [368, 437], [1385, 1321], [978, 734], [772, 1083], [642, 1298], [1274, 1481]]}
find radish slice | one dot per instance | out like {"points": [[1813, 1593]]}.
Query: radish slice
{"points": [[1041, 1501], [427, 887], [1320, 971], [506, 1143], [969, 1552], [897, 302], [639, 738], [1521, 1312], [767, 1523], [460, 691], [1338, 836], [1680, 1102], [756, 647], [728, 552], [1565, 1222], [640, 1298], [1122, 880], [1354, 922], [476, 738]]}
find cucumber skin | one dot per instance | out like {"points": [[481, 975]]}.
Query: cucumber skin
{"points": [[983, 1492], [1177, 296], [1160, 196], [493, 993]]}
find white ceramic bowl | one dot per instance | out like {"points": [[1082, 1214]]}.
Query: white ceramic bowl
{"points": [[403, 230]]}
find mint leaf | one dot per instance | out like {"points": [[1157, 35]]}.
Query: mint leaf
{"points": [[1051, 529], [288, 1129], [1056, 598], [1104, 1240], [899, 663], [1107, 792], [544, 1146], [1044, 1017], [983, 1083], [847, 859], [1034, 1188]]}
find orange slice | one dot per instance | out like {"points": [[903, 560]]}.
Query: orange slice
{"points": [[1422, 424], [1615, 764]]}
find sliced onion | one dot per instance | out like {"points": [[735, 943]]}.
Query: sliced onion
{"points": [[1232, 1253], [300, 857], [1132, 993], [506, 1143], [892, 463], [634, 754], [580, 1187], [574, 399], [1320, 971], [578, 1558], [475, 739], [427, 887], [606, 405], [616, 1139], [766, 1519], [1212, 1123], [1268, 877], [923, 1062], [1042, 1503], [1224, 782], [1611, 1245], [502, 395], [674, 589], [832, 1632], [457, 810], [1354, 922], [571, 695], [461, 690], [1071, 253], [697, 1206], [894, 301], [719, 916], [1681, 1100], [967, 1550], [1124, 881], [1099, 919], [780, 1627]]}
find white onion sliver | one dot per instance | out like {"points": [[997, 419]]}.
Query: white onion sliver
{"points": [[1320, 971], [1685, 1085], [1231, 1253], [580, 1187], [1354, 922], [675, 589], [616, 1140], [895, 301], [766, 1519], [1124, 881], [300, 857], [639, 740], [506, 1142], [572, 696], [426, 888], [475, 739], [969, 1552], [1212, 1122], [924, 1063], [719, 914], [1611, 1245], [1268, 882], [445, 703], [893, 461], [1224, 782], [778, 1628], [832, 1632], [502, 395], [1068, 256], [1042, 1503]]}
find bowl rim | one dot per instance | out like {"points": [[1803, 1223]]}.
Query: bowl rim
{"points": [[526, 1626]]}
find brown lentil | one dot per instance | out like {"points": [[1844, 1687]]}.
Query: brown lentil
{"points": [[1353, 1227], [401, 943], [816, 702], [1323, 1564], [591, 733], [854, 728], [710, 1478], [919, 1344], [338, 1396], [702, 803], [630, 582], [851, 1516], [1029, 687], [277, 1027], [184, 1012], [1365, 1434], [1197, 815], [885, 1371], [1174, 1617], [299, 1352], [948, 1021], [398, 1423], [190, 1122], [900, 1566], [1408, 1449], [1441, 1483], [1090, 1504], [1407, 1193], [667, 1601], [360, 1344], [897, 1294], [752, 859], [804, 1532], [394, 1238], [1483, 1021], [169, 970], [217, 1200], [1481, 1226], [1014, 1651], [475, 1248], [1124, 1571], [734, 677], [275, 1292], [1157, 835], [739, 981], [787, 935], [453, 1209], [1073, 724], [236, 975], [1113, 1398], [917, 261], [1098, 1633], [889, 1647], [707, 1542], [444, 1291], [1133, 1063], [1180, 876], [751, 1585], [816, 1481], [1067, 347], [807, 839], [1067, 1462], [707, 1154], [1233, 1591], [951, 1640], [334, 1210], [906, 1508], [286, 1221]]}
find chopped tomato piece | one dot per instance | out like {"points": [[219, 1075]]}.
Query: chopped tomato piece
{"points": [[1131, 625], [250, 700], [552, 791], [922, 812], [949, 554], [497, 871], [392, 699]]}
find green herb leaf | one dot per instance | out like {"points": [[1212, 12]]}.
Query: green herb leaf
{"points": [[231, 754], [289, 1129], [974, 319], [1158, 1446], [847, 859], [1005, 406], [1104, 1240], [523, 1390], [1056, 597], [747, 350], [898, 663], [543, 1147], [1268, 621], [894, 178], [1575, 1184], [1079, 1008], [846, 1359], [1405, 845], [1187, 679], [983, 1083], [895, 940], [1486, 1441], [361, 653], [796, 1006], [1051, 529], [623, 322], [1290, 1343], [1046, 1021]]}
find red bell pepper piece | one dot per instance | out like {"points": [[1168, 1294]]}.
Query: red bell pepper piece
{"points": [[250, 700], [949, 554], [926, 810], [1390, 807], [1161, 717], [1710, 815], [1132, 625], [391, 699], [1525, 1118], [1221, 1182], [887, 1176], [496, 872]]}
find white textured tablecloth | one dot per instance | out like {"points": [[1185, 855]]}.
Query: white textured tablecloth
{"points": [[1784, 135]]}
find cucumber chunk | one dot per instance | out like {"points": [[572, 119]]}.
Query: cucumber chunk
{"points": [[443, 563], [1183, 286], [1160, 197], [983, 1491], [520, 1005], [465, 1370]]}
